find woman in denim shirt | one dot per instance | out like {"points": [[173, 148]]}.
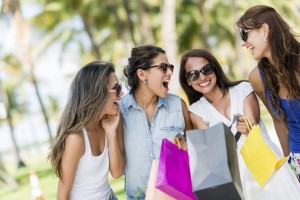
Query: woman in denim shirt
{"points": [[149, 114]]}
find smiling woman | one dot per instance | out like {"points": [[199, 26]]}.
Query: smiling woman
{"points": [[149, 114], [89, 140]]}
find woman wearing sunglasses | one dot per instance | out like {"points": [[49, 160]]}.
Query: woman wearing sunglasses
{"points": [[149, 114], [89, 139], [276, 79], [214, 99]]}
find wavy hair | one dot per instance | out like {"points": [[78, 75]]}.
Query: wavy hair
{"points": [[285, 52], [87, 97], [141, 58], [222, 81]]}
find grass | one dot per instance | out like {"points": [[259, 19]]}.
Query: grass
{"points": [[48, 182]]}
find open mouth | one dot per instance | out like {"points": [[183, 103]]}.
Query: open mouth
{"points": [[166, 84], [116, 102]]}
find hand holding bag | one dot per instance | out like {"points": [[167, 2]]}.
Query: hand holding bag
{"points": [[173, 176], [258, 156]]}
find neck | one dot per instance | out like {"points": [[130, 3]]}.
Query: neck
{"points": [[145, 99], [216, 96]]}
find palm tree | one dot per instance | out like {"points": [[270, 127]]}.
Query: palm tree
{"points": [[24, 50]]}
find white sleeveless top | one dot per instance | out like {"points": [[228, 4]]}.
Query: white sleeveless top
{"points": [[91, 177]]}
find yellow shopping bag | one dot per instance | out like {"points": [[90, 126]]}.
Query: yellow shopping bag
{"points": [[258, 156]]}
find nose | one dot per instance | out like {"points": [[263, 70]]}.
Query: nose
{"points": [[201, 76], [121, 93], [243, 43], [169, 71]]}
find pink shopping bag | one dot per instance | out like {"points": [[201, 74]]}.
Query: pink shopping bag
{"points": [[173, 176]]}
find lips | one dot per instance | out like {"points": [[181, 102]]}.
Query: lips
{"points": [[204, 84]]}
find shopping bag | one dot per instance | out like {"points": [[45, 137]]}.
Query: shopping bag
{"points": [[153, 193], [173, 175], [214, 163], [258, 156]]}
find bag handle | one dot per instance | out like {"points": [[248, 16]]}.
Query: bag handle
{"points": [[248, 123], [238, 134], [179, 137]]}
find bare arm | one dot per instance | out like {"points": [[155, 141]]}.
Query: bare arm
{"points": [[114, 131], [187, 120], [74, 149], [281, 130], [251, 110]]}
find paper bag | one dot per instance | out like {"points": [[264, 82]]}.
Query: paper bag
{"points": [[214, 163], [153, 193], [258, 156], [173, 175]]}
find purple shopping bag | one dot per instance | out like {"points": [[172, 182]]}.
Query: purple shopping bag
{"points": [[173, 176]]}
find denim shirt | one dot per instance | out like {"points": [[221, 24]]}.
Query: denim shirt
{"points": [[142, 140]]}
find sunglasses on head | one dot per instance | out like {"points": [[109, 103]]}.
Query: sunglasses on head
{"points": [[244, 34], [193, 75], [164, 67], [117, 89]]}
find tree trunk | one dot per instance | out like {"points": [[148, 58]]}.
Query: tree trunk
{"points": [[87, 28], [6, 178], [24, 51], [129, 21], [144, 25], [11, 127], [168, 29], [203, 25]]}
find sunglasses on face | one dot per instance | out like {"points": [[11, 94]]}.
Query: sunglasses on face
{"points": [[117, 89], [164, 67], [244, 34], [193, 75]]}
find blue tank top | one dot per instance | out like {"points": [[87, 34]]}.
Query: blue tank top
{"points": [[292, 111]]}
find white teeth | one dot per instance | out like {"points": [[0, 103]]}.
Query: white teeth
{"points": [[206, 83], [116, 102], [167, 81]]}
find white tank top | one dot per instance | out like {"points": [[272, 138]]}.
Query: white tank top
{"points": [[91, 177]]}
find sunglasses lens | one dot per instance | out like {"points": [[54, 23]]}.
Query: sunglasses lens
{"points": [[118, 89], [244, 34], [192, 75], [207, 69], [165, 67]]}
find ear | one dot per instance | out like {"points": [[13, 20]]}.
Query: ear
{"points": [[141, 75], [265, 28]]}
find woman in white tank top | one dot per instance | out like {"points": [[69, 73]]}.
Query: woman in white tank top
{"points": [[89, 139]]}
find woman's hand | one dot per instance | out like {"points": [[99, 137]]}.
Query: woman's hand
{"points": [[241, 126], [110, 124]]}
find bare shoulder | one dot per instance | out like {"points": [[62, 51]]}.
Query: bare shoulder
{"points": [[75, 142], [255, 80], [183, 102]]}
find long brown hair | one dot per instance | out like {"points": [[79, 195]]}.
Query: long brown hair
{"points": [[222, 81], [87, 97], [285, 52]]}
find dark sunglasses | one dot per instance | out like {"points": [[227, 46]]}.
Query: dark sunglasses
{"points": [[164, 67], [244, 34], [193, 75], [117, 89]]}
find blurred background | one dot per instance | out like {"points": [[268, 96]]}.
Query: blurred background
{"points": [[43, 44]]}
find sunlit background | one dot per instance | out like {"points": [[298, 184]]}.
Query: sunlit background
{"points": [[45, 42]]}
